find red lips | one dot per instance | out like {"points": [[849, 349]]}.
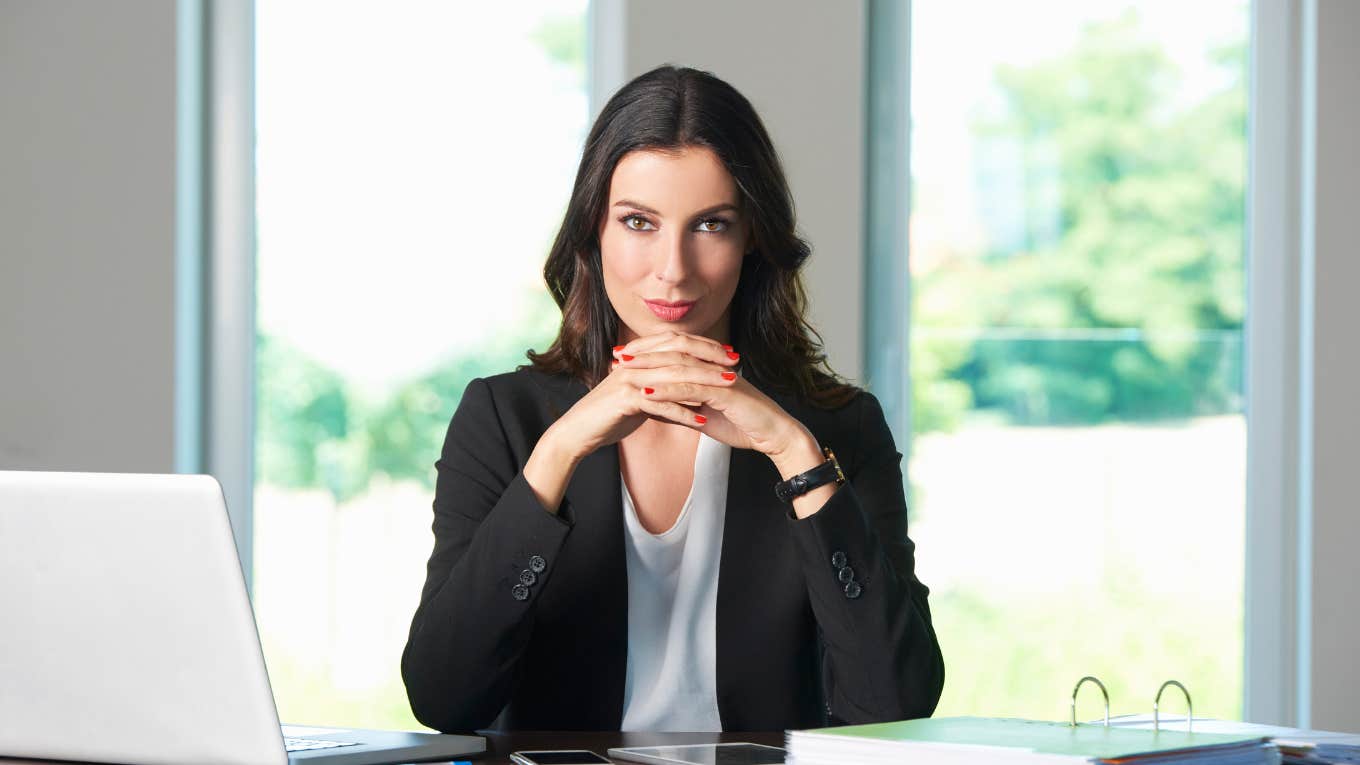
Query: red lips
{"points": [[669, 310]]}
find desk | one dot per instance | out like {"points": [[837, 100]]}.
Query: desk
{"points": [[499, 745]]}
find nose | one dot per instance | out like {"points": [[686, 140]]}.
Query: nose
{"points": [[672, 265]]}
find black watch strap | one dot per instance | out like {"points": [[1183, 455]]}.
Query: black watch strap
{"points": [[808, 480]]}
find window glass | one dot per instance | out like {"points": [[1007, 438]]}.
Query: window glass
{"points": [[1077, 466], [413, 162]]}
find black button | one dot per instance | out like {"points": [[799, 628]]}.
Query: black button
{"points": [[527, 578], [846, 574], [852, 589], [520, 592], [838, 559], [537, 564]]}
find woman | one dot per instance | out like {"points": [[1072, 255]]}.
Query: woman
{"points": [[610, 551]]}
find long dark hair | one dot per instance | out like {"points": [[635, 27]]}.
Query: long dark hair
{"points": [[670, 108]]}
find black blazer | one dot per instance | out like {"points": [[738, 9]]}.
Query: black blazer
{"points": [[793, 650]]}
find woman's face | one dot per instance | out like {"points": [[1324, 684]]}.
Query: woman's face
{"points": [[672, 233]]}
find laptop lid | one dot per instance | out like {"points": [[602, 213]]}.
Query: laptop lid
{"points": [[127, 634]]}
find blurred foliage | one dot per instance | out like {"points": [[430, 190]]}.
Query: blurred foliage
{"points": [[1133, 219], [1148, 197], [300, 405], [563, 39], [1019, 657], [315, 431]]}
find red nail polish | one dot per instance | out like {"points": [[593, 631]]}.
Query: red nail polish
{"points": [[729, 375], [727, 347], [625, 357], [648, 391], [699, 418], [618, 347], [730, 355]]}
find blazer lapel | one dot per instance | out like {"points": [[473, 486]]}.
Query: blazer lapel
{"points": [[596, 502], [750, 515]]}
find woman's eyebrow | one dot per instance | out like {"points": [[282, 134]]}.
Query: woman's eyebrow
{"points": [[701, 213]]}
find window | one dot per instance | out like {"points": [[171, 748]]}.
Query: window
{"points": [[413, 162], [1078, 447]]}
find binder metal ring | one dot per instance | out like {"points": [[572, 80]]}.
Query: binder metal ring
{"points": [[1156, 704], [1103, 692]]}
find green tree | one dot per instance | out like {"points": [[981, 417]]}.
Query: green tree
{"points": [[1149, 210], [301, 406]]}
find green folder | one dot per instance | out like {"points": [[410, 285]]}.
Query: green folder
{"points": [[1091, 741]]}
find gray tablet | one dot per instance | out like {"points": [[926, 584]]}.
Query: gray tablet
{"points": [[701, 754]]}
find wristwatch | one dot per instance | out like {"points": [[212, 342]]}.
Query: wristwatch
{"points": [[808, 480]]}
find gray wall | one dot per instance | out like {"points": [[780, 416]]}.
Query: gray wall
{"points": [[87, 235], [1334, 667], [804, 73]]}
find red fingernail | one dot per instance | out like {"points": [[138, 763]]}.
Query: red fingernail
{"points": [[625, 357], [699, 418], [618, 347], [729, 375], [727, 347], [730, 355], [648, 391]]}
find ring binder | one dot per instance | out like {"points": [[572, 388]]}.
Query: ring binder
{"points": [[1103, 692], [1156, 703]]}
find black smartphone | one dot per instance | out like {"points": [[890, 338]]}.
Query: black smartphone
{"points": [[558, 757]]}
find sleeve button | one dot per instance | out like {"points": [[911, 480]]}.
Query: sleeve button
{"points": [[537, 564], [527, 578], [845, 574], [519, 592], [852, 589], [838, 559]]}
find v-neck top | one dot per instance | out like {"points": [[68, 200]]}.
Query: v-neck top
{"points": [[671, 678]]}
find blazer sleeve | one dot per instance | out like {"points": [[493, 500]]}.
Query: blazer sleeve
{"points": [[881, 660], [476, 614]]}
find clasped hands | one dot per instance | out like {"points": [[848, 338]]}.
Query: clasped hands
{"points": [[691, 380]]}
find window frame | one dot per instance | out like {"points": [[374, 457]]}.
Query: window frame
{"points": [[215, 407], [1276, 627]]}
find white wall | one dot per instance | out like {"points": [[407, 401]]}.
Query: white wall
{"points": [[1303, 603], [802, 67], [87, 235], [1333, 682]]}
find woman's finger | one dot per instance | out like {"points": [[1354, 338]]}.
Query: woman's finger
{"points": [[654, 359], [715, 396], [670, 411], [705, 374], [700, 349], [695, 345], [645, 342]]}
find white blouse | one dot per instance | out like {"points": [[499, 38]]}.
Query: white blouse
{"points": [[671, 679]]}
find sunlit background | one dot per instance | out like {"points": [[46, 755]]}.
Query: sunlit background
{"points": [[413, 160], [1077, 453], [1078, 447]]}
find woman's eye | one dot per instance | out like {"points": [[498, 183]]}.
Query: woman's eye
{"points": [[708, 226]]}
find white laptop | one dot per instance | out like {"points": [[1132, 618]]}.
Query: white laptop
{"points": [[126, 633]]}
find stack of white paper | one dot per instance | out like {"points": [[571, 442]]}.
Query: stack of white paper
{"points": [[1298, 746], [970, 740]]}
